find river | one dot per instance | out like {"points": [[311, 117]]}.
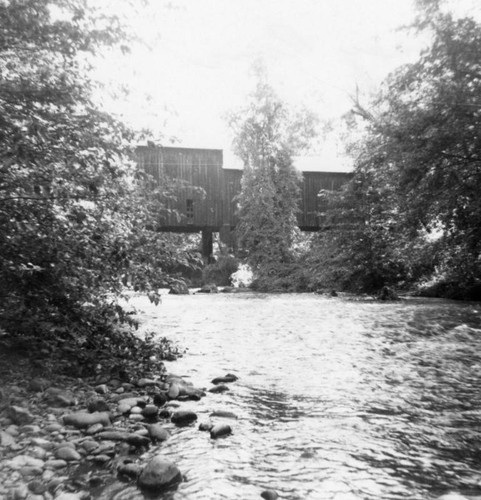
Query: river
{"points": [[337, 398]]}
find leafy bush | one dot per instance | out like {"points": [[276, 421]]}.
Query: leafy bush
{"points": [[220, 271]]}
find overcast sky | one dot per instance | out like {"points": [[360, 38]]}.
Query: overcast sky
{"points": [[200, 55]]}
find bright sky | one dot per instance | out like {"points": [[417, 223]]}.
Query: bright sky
{"points": [[201, 52]]}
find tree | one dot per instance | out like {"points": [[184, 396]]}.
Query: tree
{"points": [[267, 135], [73, 218], [418, 168]]}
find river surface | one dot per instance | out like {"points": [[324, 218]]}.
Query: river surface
{"points": [[337, 398]]}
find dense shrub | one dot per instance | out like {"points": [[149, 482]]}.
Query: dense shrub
{"points": [[220, 271]]}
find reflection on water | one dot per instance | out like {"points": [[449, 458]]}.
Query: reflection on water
{"points": [[337, 399]]}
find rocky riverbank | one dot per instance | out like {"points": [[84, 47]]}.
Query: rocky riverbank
{"points": [[63, 438]]}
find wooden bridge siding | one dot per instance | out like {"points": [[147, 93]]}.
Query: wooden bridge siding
{"points": [[201, 167], [197, 167]]}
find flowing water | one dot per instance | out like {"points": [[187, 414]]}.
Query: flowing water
{"points": [[337, 398]]}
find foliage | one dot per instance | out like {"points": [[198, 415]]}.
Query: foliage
{"points": [[220, 271], [267, 134], [413, 201], [73, 220]]}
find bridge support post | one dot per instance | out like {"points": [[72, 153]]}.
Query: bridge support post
{"points": [[227, 236], [207, 245]]}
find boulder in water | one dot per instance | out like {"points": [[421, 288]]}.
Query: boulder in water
{"points": [[159, 474]]}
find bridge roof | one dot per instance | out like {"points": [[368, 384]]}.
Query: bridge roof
{"points": [[307, 163]]}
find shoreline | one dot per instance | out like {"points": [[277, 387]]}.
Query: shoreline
{"points": [[69, 438]]}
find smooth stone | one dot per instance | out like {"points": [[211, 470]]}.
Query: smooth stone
{"points": [[269, 495], [112, 435], [6, 439], [144, 382], [158, 474], [183, 417], [101, 389], [123, 408], [55, 464], [150, 411], [42, 443], [136, 417], [130, 402], [37, 487], [137, 440], [20, 461], [136, 410], [160, 399], [223, 414], [220, 430], [83, 419], [69, 496], [158, 433], [219, 388], [68, 454], [89, 446], [59, 397], [19, 415], [206, 426], [225, 379], [30, 471], [20, 492], [97, 404], [53, 427], [38, 452], [174, 391], [30, 429], [12, 430], [129, 470], [93, 429]]}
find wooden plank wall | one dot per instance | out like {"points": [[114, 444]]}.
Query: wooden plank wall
{"points": [[215, 206]]}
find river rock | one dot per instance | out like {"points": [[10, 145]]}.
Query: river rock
{"points": [[6, 439], [225, 379], [101, 389], [97, 404], [37, 487], [183, 417], [19, 415], [129, 470], [206, 426], [218, 388], [93, 429], [158, 433], [174, 391], [59, 398], [69, 496], [68, 454], [39, 384], [83, 419], [55, 464], [112, 435], [269, 495], [160, 399], [223, 414], [220, 430], [137, 440], [20, 492], [158, 474], [20, 461], [144, 382], [150, 411]]}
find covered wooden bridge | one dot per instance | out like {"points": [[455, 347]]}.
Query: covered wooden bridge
{"points": [[213, 207]]}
